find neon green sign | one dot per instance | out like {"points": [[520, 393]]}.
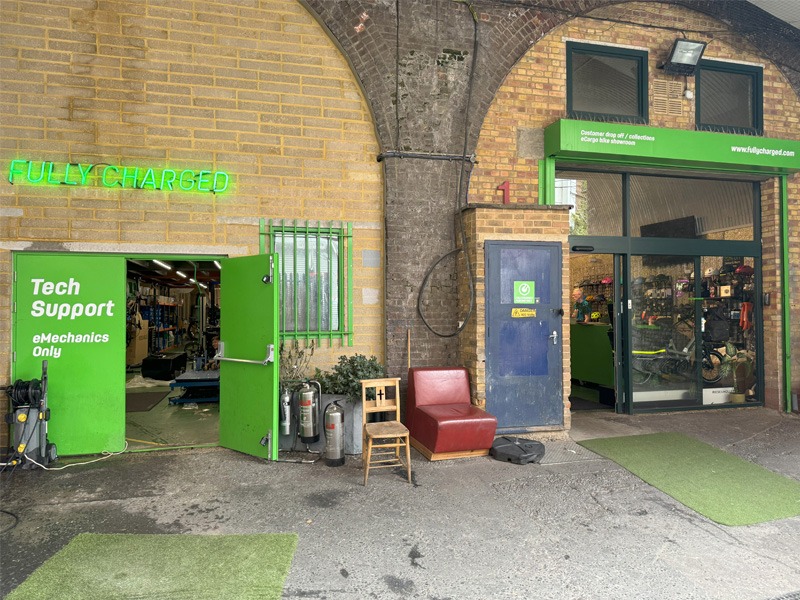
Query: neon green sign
{"points": [[29, 172]]}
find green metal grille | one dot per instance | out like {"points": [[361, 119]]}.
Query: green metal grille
{"points": [[316, 279]]}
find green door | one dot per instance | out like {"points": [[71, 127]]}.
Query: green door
{"points": [[248, 409], [69, 310]]}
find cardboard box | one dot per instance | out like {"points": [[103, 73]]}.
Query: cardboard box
{"points": [[137, 349]]}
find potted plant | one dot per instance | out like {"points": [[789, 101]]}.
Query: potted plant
{"points": [[739, 364], [294, 362], [343, 384]]}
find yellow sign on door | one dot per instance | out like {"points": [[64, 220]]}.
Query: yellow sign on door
{"points": [[518, 313]]}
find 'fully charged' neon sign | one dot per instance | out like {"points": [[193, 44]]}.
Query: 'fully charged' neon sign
{"points": [[111, 176]]}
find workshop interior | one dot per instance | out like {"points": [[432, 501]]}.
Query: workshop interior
{"points": [[172, 379]]}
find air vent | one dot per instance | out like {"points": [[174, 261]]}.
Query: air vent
{"points": [[668, 97]]}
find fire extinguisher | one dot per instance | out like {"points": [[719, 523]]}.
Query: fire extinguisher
{"points": [[334, 435], [286, 412], [309, 412]]}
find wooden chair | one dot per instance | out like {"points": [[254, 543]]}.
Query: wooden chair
{"points": [[388, 437]]}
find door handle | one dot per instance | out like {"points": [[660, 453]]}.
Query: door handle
{"points": [[553, 336], [270, 357]]}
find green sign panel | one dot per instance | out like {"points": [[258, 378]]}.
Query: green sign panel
{"points": [[33, 172], [70, 311], [637, 144], [524, 292]]}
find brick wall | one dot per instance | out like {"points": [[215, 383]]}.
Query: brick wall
{"points": [[265, 92], [504, 223], [534, 95], [417, 86], [257, 90]]}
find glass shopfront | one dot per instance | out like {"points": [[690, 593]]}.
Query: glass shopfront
{"points": [[674, 215], [692, 330], [683, 317]]}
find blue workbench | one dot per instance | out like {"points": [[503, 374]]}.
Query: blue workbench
{"points": [[198, 386]]}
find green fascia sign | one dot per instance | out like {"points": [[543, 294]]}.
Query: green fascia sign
{"points": [[653, 146]]}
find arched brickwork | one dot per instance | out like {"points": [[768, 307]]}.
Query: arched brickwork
{"points": [[425, 53]]}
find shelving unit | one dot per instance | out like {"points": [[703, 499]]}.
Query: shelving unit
{"points": [[655, 308], [653, 299], [727, 293], [599, 295], [161, 310]]}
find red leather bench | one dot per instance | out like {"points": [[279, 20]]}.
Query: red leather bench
{"points": [[441, 418]]}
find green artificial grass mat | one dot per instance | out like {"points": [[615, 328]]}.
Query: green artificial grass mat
{"points": [[169, 567], [714, 483]]}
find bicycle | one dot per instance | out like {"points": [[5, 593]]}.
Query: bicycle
{"points": [[194, 346], [671, 361]]}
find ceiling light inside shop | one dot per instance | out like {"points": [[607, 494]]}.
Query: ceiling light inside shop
{"points": [[184, 275], [219, 266], [163, 265]]}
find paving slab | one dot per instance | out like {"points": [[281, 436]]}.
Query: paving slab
{"points": [[576, 526]]}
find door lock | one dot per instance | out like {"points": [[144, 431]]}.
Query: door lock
{"points": [[553, 336]]}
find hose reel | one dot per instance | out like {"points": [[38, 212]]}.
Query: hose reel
{"points": [[29, 416], [25, 393]]}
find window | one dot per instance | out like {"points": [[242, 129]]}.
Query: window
{"points": [[316, 289], [606, 83], [729, 97], [596, 200], [682, 207]]}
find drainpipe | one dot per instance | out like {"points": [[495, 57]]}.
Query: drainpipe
{"points": [[262, 235], [787, 343]]}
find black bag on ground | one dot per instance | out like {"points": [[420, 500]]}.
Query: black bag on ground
{"points": [[517, 450]]}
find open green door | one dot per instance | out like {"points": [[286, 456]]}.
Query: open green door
{"points": [[69, 309], [248, 408]]}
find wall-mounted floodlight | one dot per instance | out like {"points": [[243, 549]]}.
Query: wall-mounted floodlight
{"points": [[683, 57], [162, 264]]}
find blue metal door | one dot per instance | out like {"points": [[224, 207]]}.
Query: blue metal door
{"points": [[524, 376]]}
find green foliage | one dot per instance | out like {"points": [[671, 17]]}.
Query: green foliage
{"points": [[294, 363], [579, 214], [345, 379]]}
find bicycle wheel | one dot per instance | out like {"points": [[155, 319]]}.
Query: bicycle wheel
{"points": [[192, 349], [683, 367], [642, 371], [712, 366], [640, 377]]}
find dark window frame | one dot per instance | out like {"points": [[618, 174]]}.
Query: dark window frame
{"points": [[641, 58], [756, 90]]}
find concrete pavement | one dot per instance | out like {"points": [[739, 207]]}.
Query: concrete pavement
{"points": [[575, 527]]}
